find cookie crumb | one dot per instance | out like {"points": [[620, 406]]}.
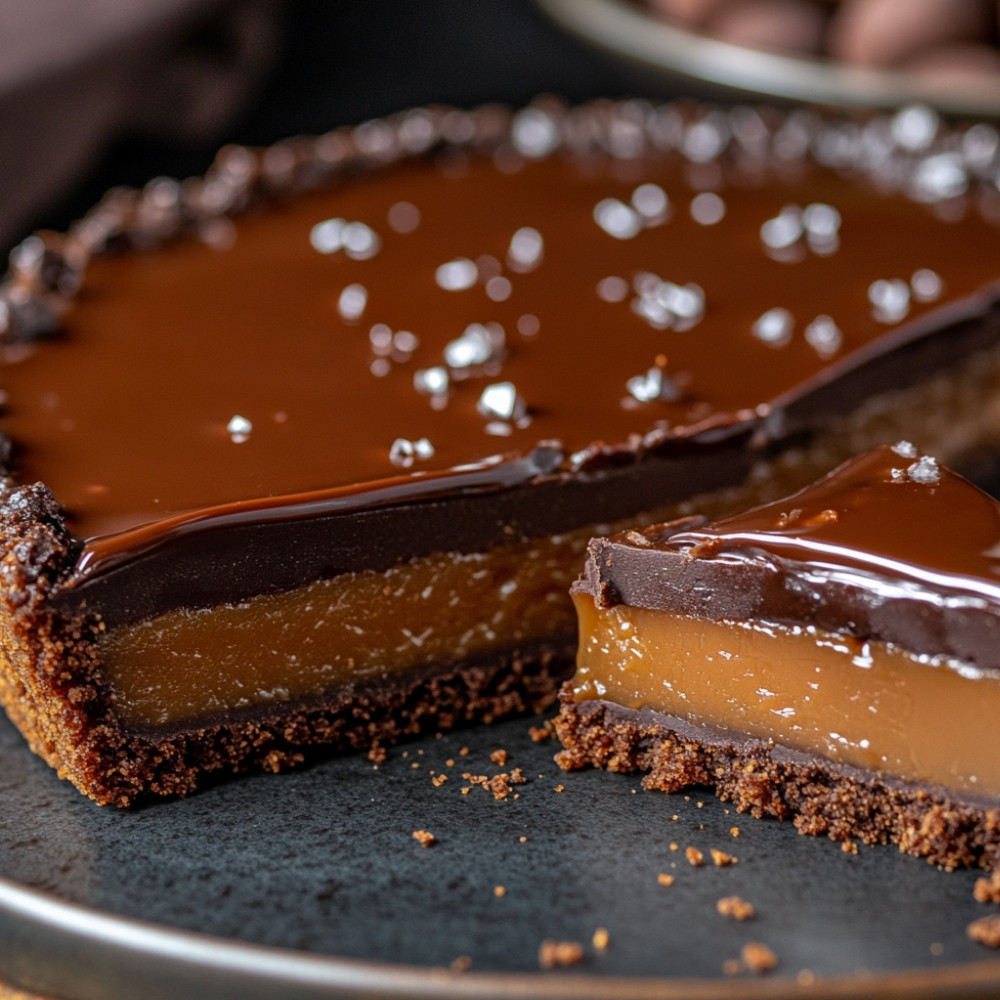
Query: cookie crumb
{"points": [[499, 757], [556, 953], [425, 838], [541, 733], [849, 847], [738, 909], [438, 781], [559, 788], [522, 840], [674, 846], [600, 939], [377, 754], [937, 948], [758, 957], [721, 859], [695, 858], [499, 891], [462, 964], [664, 879], [499, 786], [985, 930], [987, 889], [466, 789], [463, 752], [734, 831]]}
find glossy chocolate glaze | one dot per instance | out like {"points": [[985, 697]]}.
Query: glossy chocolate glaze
{"points": [[126, 413], [889, 546]]}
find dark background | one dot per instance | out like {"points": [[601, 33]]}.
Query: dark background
{"points": [[343, 61]]}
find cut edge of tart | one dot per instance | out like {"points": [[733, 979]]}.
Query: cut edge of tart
{"points": [[828, 658]]}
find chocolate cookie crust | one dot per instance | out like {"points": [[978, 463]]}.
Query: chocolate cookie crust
{"points": [[766, 780]]}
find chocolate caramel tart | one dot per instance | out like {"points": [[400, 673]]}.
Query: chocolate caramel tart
{"points": [[306, 452], [830, 657]]}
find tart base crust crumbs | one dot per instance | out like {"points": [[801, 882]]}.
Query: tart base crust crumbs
{"points": [[764, 779]]}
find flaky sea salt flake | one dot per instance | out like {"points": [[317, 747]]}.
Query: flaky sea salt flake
{"points": [[784, 230], [925, 470], [617, 219], [352, 301], [651, 202], [456, 275], [707, 208], [926, 284], [612, 289], [327, 236], [474, 347], [500, 400], [914, 127], [824, 336], [361, 242], [535, 132], [774, 327], [890, 298], [525, 250], [404, 452], [239, 428], [939, 177], [431, 381]]}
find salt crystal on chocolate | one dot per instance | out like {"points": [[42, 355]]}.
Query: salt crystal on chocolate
{"points": [[239, 428], [456, 275], [501, 400], [617, 219], [774, 327]]}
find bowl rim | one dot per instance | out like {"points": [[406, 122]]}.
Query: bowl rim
{"points": [[626, 30]]}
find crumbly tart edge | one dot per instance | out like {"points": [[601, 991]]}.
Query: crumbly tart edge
{"points": [[52, 687], [767, 780]]}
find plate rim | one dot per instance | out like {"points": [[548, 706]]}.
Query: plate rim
{"points": [[117, 950]]}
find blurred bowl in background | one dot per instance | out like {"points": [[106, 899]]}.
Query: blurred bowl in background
{"points": [[673, 58]]}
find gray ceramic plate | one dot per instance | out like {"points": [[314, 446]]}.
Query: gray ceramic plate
{"points": [[675, 55], [311, 884]]}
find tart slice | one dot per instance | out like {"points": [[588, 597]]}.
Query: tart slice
{"points": [[832, 657]]}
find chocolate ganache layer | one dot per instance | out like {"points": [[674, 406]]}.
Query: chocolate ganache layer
{"points": [[361, 384], [890, 546], [831, 656], [557, 294]]}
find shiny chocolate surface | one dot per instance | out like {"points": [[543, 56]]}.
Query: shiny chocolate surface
{"points": [[889, 546], [891, 513], [423, 327]]}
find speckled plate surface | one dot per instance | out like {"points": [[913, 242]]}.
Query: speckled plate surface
{"points": [[311, 884]]}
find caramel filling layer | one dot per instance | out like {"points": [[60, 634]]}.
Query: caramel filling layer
{"points": [[869, 704], [357, 627]]}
